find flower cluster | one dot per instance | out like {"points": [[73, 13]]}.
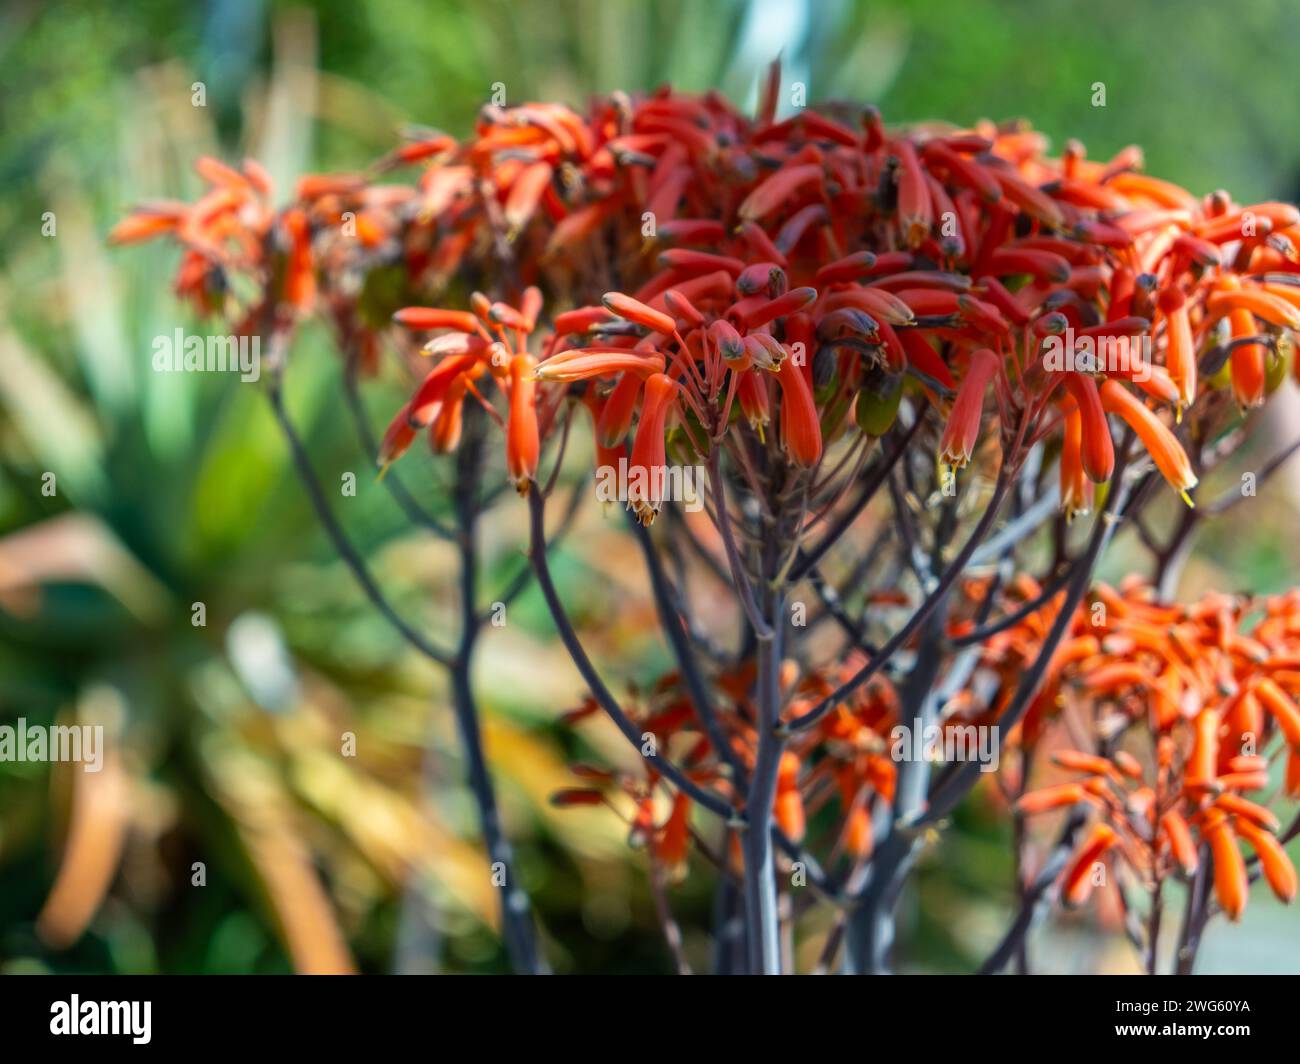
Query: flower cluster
{"points": [[835, 772], [1185, 703], [806, 270]]}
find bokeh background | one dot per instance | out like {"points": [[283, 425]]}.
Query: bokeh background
{"points": [[173, 490]]}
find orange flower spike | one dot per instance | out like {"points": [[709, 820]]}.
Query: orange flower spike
{"points": [[962, 431], [674, 840], [1076, 761], [530, 307], [1163, 446], [587, 362], [525, 194], [1048, 798], [788, 808], [427, 401], [791, 302], [857, 834], [616, 417], [683, 309], [1258, 302], [1242, 781], [579, 320], [800, 427], [444, 433], [1181, 844], [632, 310], [1230, 881], [425, 318], [144, 225], [1203, 760], [1248, 362], [752, 393], [523, 444], [1076, 487], [299, 271], [1127, 764], [1180, 349], [778, 189], [1031, 200], [1282, 708], [1244, 808], [1098, 452], [963, 171], [915, 207], [215, 172], [1077, 882], [1277, 866], [649, 459], [398, 438]]}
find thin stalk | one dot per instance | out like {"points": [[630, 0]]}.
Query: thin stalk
{"points": [[761, 913]]}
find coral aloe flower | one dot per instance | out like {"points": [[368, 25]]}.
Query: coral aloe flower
{"points": [[1076, 488], [800, 428], [523, 443], [963, 428], [1163, 446], [646, 471]]}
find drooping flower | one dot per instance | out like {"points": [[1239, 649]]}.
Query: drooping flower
{"points": [[1161, 444], [966, 417], [647, 468], [523, 445]]}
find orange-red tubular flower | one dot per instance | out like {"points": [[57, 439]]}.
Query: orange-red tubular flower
{"points": [[801, 431], [1180, 350], [1076, 488], [788, 808], [647, 469], [299, 270], [427, 402], [674, 840], [1248, 363], [963, 428], [1097, 450], [586, 362], [1203, 761], [145, 225], [523, 445], [915, 207], [397, 438], [1163, 446], [1278, 869], [778, 189], [444, 433], [1282, 708], [1230, 881], [752, 393], [616, 416], [1048, 798], [525, 194], [1181, 845], [1077, 883], [633, 310], [436, 318]]}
